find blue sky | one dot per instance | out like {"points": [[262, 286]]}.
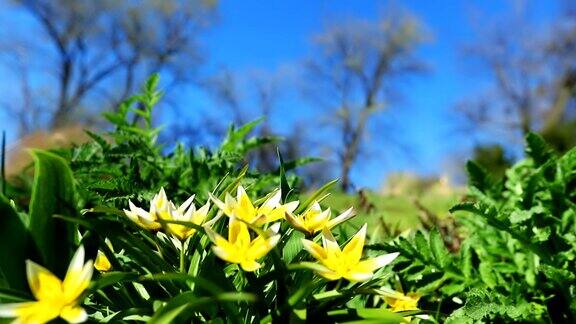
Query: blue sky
{"points": [[269, 35]]}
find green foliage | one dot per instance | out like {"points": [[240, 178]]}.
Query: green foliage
{"points": [[12, 229], [493, 158], [79, 195], [53, 193], [517, 260]]}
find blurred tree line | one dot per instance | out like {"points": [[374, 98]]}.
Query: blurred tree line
{"points": [[531, 70], [78, 58]]}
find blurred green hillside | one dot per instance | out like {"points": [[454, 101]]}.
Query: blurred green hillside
{"points": [[405, 202]]}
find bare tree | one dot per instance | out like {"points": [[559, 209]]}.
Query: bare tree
{"points": [[353, 74], [94, 53], [531, 72], [254, 93], [224, 89]]}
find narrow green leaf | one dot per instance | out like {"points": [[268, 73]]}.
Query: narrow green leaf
{"points": [[284, 186], [382, 314], [52, 193], [315, 196], [13, 246]]}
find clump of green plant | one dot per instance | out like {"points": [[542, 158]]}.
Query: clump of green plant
{"points": [[518, 258], [116, 230]]}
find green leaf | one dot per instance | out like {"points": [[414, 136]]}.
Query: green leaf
{"points": [[183, 305], [422, 246], [520, 216], [292, 247], [537, 149], [315, 196], [111, 278], [13, 246], [380, 314], [478, 177], [284, 186], [10, 295], [439, 250], [487, 275], [52, 193], [466, 259], [235, 136]]}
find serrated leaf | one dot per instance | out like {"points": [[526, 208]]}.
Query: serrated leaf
{"points": [[538, 149], [439, 250], [520, 216], [478, 177], [487, 275], [422, 246]]}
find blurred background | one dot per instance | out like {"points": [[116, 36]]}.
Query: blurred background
{"points": [[394, 96]]}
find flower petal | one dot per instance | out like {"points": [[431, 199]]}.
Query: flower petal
{"points": [[200, 215], [74, 314], [353, 250], [250, 265], [76, 282], [384, 260], [349, 213], [43, 284], [77, 262], [35, 312], [261, 246], [244, 210], [102, 263], [188, 203], [291, 206], [314, 249], [330, 244], [330, 275], [227, 253], [219, 203], [318, 220], [10, 310], [358, 276], [238, 233], [295, 222], [214, 237], [274, 200]]}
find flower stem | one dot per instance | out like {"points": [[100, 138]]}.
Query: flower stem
{"points": [[182, 259]]}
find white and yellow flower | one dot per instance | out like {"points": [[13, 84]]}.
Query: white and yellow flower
{"points": [[336, 263], [314, 219], [186, 212], [242, 207], [159, 209], [54, 297], [239, 248]]}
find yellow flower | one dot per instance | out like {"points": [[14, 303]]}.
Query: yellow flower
{"points": [[159, 209], [186, 212], [314, 219], [400, 302], [240, 248], [53, 297], [345, 263], [242, 208], [102, 263]]}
